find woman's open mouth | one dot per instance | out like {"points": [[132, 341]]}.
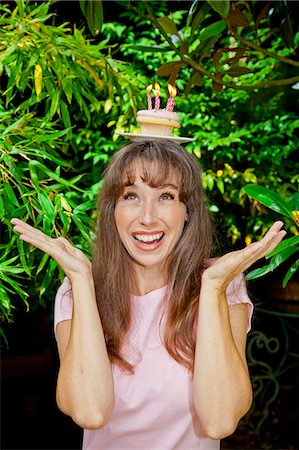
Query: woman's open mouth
{"points": [[148, 241]]}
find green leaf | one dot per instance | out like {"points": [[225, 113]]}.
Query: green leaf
{"points": [[42, 263], [20, 5], [13, 126], [221, 6], [293, 269], [21, 251], [281, 257], [48, 276], [54, 103], [85, 206], [212, 30], [290, 242], [220, 186], [82, 228], [65, 116], [257, 273], [269, 199], [46, 206], [168, 25], [200, 16], [33, 174], [150, 48], [10, 195], [293, 202], [5, 300], [1, 208], [93, 11]]}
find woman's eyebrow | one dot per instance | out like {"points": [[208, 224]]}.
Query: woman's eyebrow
{"points": [[169, 186], [161, 186]]}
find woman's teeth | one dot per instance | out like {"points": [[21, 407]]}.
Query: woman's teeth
{"points": [[149, 238]]}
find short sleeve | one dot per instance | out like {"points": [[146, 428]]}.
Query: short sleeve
{"points": [[236, 294], [63, 307]]}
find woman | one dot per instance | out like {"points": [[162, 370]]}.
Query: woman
{"points": [[152, 334]]}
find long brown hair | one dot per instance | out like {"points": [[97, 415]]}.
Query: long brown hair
{"points": [[112, 265]]}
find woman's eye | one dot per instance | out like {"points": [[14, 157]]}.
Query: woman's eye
{"points": [[130, 196], [167, 196]]}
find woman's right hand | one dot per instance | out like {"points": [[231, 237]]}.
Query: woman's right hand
{"points": [[71, 260]]}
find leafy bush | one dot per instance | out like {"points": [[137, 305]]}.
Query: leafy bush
{"points": [[65, 95], [55, 84]]}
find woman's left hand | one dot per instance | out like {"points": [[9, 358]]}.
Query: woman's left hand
{"points": [[224, 269]]}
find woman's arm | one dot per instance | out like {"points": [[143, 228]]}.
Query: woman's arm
{"points": [[222, 387], [85, 384]]}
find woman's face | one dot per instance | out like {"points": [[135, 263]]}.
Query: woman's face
{"points": [[150, 221]]}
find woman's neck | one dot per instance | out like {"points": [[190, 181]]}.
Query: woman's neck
{"points": [[148, 279]]}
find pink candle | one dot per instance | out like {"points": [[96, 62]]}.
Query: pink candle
{"points": [[172, 93], [149, 98], [157, 95]]}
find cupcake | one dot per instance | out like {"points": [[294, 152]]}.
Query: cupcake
{"points": [[158, 122]]}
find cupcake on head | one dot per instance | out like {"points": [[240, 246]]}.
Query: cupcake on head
{"points": [[156, 121]]}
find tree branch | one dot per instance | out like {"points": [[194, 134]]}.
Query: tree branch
{"points": [[201, 69], [164, 34], [187, 60], [264, 51]]}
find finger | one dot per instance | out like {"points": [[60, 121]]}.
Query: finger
{"points": [[21, 226], [271, 239], [275, 241], [33, 236]]}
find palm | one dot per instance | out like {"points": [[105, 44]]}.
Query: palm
{"points": [[227, 267], [70, 259]]}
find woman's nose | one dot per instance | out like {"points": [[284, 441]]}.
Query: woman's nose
{"points": [[148, 213]]}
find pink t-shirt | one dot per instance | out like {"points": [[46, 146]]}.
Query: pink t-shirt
{"points": [[153, 407]]}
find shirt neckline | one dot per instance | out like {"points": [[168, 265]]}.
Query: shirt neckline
{"points": [[154, 294]]}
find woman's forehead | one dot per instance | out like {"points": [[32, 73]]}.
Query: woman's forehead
{"points": [[153, 173]]}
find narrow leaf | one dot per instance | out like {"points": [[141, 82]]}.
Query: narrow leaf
{"points": [[290, 242], [54, 103], [168, 25], [236, 71], [169, 68], [150, 48], [93, 11], [9, 194], [212, 30], [42, 263], [221, 6], [257, 273], [269, 199], [198, 19], [293, 269], [48, 276], [282, 256], [47, 206]]}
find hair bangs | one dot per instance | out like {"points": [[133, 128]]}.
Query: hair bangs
{"points": [[154, 173], [158, 165]]}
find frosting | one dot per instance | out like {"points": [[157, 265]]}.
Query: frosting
{"points": [[159, 113]]}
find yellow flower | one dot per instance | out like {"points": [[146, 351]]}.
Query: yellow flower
{"points": [[296, 216], [248, 240], [219, 173]]}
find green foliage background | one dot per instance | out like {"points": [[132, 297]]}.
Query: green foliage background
{"points": [[64, 94]]}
